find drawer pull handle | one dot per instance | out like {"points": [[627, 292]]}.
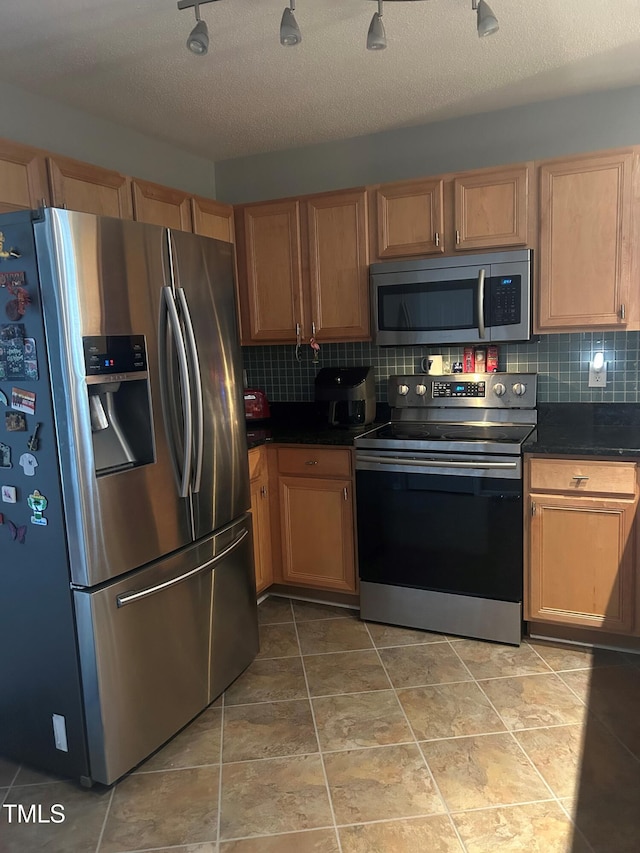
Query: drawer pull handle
{"points": [[311, 462], [579, 477]]}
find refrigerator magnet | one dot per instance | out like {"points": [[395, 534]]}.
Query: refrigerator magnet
{"points": [[12, 279], [28, 463], [23, 401], [5, 456], [30, 359], [15, 422], [34, 440], [17, 532], [37, 503], [3, 399], [9, 494]]}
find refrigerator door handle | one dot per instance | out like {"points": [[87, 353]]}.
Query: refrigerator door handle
{"points": [[129, 597], [198, 395], [183, 478]]}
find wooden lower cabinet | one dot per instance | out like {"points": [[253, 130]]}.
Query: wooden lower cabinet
{"points": [[261, 515], [315, 501], [582, 552]]}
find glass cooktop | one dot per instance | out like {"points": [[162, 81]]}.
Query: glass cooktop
{"points": [[507, 434]]}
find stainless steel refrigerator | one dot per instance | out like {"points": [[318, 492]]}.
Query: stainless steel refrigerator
{"points": [[127, 591]]}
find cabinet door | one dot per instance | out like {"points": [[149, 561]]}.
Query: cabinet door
{"points": [[317, 532], [23, 177], [491, 208], [160, 205], [212, 219], [261, 533], [89, 189], [271, 287], [582, 562], [338, 267], [585, 239], [410, 219]]}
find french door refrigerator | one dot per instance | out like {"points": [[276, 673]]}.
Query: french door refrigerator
{"points": [[127, 590]]}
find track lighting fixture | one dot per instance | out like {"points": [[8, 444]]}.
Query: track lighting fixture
{"points": [[376, 37], [198, 41], [487, 22], [290, 34]]}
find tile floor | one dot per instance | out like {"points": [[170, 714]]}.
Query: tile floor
{"points": [[345, 737]]}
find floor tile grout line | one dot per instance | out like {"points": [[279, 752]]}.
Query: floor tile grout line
{"points": [[443, 801], [315, 728], [575, 825], [219, 821], [12, 783], [106, 817]]}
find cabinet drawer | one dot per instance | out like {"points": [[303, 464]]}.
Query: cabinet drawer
{"points": [[575, 475], [257, 460], [313, 461]]}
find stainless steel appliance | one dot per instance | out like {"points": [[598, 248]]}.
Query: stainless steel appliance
{"points": [[346, 395], [439, 505], [464, 299], [127, 592]]}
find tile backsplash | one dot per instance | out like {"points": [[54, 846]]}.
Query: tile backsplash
{"points": [[561, 362]]}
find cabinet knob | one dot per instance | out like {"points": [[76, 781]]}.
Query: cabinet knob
{"points": [[311, 462]]}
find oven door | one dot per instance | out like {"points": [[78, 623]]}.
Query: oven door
{"points": [[457, 532]]}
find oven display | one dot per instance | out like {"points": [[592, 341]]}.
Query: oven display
{"points": [[458, 389]]}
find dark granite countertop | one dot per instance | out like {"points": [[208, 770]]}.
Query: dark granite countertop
{"points": [[587, 429], [303, 423]]}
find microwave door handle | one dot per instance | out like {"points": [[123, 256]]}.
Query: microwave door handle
{"points": [[481, 329]]}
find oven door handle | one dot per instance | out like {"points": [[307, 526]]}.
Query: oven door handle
{"points": [[435, 463]]}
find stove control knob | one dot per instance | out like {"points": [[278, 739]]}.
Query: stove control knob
{"points": [[499, 389], [421, 390], [519, 389], [403, 390]]}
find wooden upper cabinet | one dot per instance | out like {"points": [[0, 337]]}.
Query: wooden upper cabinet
{"points": [[338, 295], [89, 189], [490, 208], [23, 177], [159, 205], [271, 302], [585, 241], [212, 218], [410, 218]]}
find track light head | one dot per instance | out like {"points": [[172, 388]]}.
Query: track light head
{"points": [[290, 34], [487, 23], [198, 41], [376, 37]]}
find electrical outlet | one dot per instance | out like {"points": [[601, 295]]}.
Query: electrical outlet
{"points": [[598, 378]]}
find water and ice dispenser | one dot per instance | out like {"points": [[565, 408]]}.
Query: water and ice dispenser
{"points": [[119, 402]]}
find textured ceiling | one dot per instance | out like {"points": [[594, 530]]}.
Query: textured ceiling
{"points": [[126, 60]]}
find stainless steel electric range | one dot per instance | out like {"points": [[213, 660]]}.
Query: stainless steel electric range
{"points": [[439, 505]]}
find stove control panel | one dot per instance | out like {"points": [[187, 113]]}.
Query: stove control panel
{"points": [[470, 390], [458, 389]]}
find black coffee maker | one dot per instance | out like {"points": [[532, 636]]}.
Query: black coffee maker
{"points": [[346, 396]]}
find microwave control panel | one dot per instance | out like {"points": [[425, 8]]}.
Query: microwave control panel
{"points": [[505, 300], [458, 389]]}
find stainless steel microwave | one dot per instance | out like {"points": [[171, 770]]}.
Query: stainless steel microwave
{"points": [[467, 299]]}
